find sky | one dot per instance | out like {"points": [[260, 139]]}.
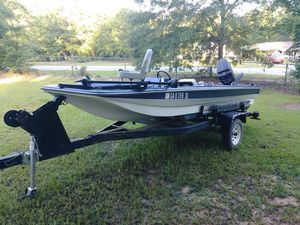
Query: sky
{"points": [[87, 12], [82, 12], [73, 7]]}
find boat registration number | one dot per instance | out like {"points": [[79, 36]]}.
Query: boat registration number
{"points": [[176, 95]]}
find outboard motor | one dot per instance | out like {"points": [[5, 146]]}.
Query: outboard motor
{"points": [[225, 72]]}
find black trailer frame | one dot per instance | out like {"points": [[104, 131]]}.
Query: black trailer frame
{"points": [[48, 138]]}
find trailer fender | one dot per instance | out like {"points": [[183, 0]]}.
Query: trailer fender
{"points": [[225, 119]]}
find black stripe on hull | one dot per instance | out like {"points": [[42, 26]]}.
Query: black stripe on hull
{"points": [[216, 93], [170, 93]]}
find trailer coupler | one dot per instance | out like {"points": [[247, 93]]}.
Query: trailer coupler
{"points": [[48, 137], [46, 128]]}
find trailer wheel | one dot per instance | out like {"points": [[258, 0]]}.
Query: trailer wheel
{"points": [[233, 134]]}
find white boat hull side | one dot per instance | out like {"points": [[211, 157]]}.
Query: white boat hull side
{"points": [[176, 107], [99, 107], [143, 110]]}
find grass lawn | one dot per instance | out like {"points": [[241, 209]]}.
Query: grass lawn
{"points": [[169, 180]]}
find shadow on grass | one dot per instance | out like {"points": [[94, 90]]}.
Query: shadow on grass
{"points": [[139, 180], [174, 161], [121, 180]]}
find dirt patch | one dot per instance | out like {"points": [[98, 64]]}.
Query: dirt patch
{"points": [[291, 106], [276, 85], [273, 220], [12, 79], [185, 189], [288, 201]]}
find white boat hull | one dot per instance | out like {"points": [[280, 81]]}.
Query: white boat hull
{"points": [[145, 110]]}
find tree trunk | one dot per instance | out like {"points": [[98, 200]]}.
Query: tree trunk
{"points": [[220, 50], [222, 29]]}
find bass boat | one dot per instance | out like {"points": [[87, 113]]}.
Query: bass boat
{"points": [[148, 99]]}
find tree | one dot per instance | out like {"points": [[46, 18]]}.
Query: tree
{"points": [[269, 23], [293, 7], [145, 31], [14, 44], [202, 27], [56, 36], [5, 15], [109, 38]]}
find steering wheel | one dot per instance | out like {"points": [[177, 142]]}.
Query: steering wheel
{"points": [[164, 72]]}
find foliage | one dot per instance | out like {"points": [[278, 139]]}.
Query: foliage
{"points": [[293, 7], [181, 33], [57, 36], [263, 58], [6, 14], [14, 54], [83, 71], [269, 23], [147, 32], [296, 73], [197, 30], [14, 42], [109, 39]]}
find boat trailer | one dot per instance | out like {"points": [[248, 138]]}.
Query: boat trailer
{"points": [[48, 138]]}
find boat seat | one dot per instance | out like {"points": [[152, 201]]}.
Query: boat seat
{"points": [[138, 75], [131, 75], [154, 79], [187, 82]]}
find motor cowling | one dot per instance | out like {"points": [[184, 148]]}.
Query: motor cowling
{"points": [[225, 72]]}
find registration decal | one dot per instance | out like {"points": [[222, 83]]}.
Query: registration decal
{"points": [[177, 95]]}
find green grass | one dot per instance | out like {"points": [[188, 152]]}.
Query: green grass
{"points": [[170, 180]]}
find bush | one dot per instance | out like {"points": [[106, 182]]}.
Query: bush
{"points": [[83, 71], [296, 72], [14, 55]]}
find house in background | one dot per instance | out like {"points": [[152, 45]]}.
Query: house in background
{"points": [[271, 48], [294, 51]]}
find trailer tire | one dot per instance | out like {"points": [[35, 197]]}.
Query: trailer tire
{"points": [[232, 134]]}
